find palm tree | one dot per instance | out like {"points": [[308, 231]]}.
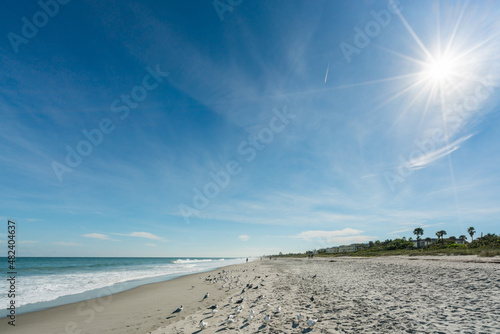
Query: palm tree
{"points": [[440, 234], [418, 232], [443, 233], [463, 238], [471, 231]]}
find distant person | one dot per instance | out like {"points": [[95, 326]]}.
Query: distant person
{"points": [[247, 259]]}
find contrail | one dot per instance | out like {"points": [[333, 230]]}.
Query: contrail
{"points": [[328, 67]]}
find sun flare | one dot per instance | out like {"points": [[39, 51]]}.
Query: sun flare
{"points": [[440, 70]]}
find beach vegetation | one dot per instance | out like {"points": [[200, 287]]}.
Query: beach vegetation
{"points": [[418, 232], [471, 232]]}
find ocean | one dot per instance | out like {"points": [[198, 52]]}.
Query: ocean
{"points": [[43, 282]]}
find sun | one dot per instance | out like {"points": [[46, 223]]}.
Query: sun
{"points": [[440, 70]]}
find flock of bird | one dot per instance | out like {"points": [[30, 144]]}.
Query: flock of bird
{"points": [[229, 280]]}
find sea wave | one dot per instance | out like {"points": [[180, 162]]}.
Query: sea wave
{"points": [[40, 288], [195, 260]]}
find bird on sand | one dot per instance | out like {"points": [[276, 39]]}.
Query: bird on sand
{"points": [[267, 318], [206, 296], [203, 324], [179, 309], [229, 320], [278, 309]]}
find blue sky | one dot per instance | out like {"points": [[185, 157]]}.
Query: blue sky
{"points": [[327, 123]]}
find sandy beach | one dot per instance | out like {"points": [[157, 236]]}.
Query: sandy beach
{"points": [[455, 294]]}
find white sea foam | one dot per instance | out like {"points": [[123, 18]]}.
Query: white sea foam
{"points": [[42, 288], [195, 260]]}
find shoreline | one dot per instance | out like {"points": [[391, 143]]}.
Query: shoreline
{"points": [[107, 312], [118, 283]]}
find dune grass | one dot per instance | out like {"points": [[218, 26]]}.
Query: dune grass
{"points": [[412, 252]]}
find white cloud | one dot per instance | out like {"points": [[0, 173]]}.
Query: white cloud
{"points": [[66, 243], [312, 235], [146, 235], [338, 237], [426, 159], [96, 236], [150, 245], [243, 237]]}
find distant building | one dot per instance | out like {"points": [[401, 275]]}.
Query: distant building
{"points": [[425, 243], [344, 248]]}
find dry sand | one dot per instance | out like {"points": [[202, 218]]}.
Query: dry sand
{"points": [[351, 295]]}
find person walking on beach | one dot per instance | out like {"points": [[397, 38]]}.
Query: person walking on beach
{"points": [[247, 259]]}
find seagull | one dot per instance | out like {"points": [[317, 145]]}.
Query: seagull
{"points": [[206, 296], [278, 310], [203, 324], [252, 312], [300, 317], [179, 309], [213, 307], [229, 320], [215, 311], [250, 317], [311, 322], [315, 276], [231, 299], [268, 305], [267, 318]]}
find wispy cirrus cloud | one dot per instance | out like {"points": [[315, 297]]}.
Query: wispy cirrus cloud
{"points": [[426, 159], [145, 235], [97, 236], [337, 237], [243, 237], [344, 236], [312, 235]]}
